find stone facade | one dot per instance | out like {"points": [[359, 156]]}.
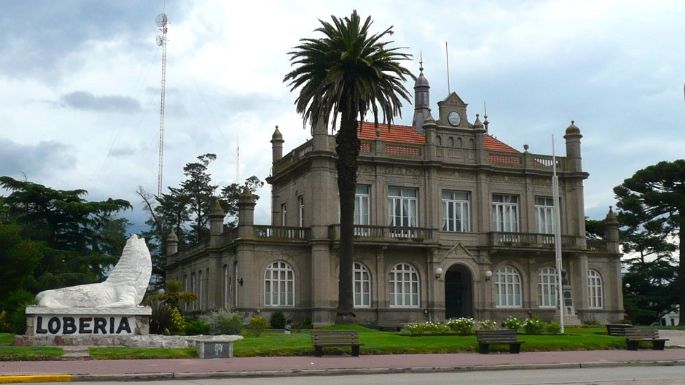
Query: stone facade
{"points": [[450, 222]]}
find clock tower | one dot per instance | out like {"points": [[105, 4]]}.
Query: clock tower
{"points": [[453, 112]]}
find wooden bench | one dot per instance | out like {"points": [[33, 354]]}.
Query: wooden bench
{"points": [[634, 336], [486, 338], [618, 329], [321, 339]]}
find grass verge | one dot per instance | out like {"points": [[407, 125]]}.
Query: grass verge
{"points": [[123, 353], [26, 353], [373, 342]]}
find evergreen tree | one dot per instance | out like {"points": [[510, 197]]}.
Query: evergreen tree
{"points": [[652, 216]]}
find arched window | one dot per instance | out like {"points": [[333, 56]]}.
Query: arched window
{"points": [[404, 286], [439, 140], [279, 285], [547, 287], [362, 285], [507, 287], [594, 289], [451, 141]]}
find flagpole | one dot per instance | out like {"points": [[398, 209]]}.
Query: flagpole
{"points": [[557, 236]]}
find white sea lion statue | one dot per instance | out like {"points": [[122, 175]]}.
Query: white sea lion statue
{"points": [[124, 287]]}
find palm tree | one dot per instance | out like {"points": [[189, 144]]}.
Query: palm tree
{"points": [[347, 72]]}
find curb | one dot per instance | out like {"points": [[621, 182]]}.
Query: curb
{"points": [[35, 378], [336, 371]]}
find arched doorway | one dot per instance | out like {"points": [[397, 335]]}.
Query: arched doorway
{"points": [[458, 292]]}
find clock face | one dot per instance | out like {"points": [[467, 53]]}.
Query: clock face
{"points": [[453, 118]]}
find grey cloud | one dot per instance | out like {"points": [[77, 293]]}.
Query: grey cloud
{"points": [[34, 160], [82, 100], [37, 36], [122, 151]]}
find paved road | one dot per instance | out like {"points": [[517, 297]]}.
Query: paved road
{"points": [[634, 375]]}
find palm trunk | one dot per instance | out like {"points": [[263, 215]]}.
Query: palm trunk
{"points": [[347, 149], [681, 268]]}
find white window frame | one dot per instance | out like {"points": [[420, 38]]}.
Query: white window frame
{"points": [[300, 211], [279, 285], [405, 286], [544, 214], [284, 213], [403, 210], [508, 287], [456, 211], [201, 293], [547, 287], [361, 282], [595, 289], [227, 286], [505, 209], [185, 288], [192, 290], [362, 205]]}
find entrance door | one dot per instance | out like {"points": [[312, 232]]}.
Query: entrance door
{"points": [[458, 292]]}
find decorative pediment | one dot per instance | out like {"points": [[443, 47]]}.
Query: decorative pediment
{"points": [[454, 100], [458, 251]]}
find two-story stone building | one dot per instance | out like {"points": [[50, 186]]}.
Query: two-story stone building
{"points": [[449, 221]]}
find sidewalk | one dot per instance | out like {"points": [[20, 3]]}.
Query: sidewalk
{"points": [[289, 366]]}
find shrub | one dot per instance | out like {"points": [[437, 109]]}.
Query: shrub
{"points": [[487, 325], [231, 325], [278, 320], [15, 304], [177, 321], [257, 324], [4, 325], [223, 322], [462, 326], [553, 328], [304, 324], [533, 326], [512, 322], [195, 327], [591, 322], [421, 328]]}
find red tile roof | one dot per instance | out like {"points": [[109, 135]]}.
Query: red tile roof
{"points": [[407, 134], [396, 133]]}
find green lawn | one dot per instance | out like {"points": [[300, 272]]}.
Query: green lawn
{"points": [[373, 342], [121, 353], [25, 353]]}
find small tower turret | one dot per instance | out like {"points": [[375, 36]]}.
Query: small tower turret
{"points": [[611, 228], [276, 145], [216, 218], [573, 147], [171, 243], [421, 99]]}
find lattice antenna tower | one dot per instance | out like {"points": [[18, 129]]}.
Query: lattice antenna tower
{"points": [[161, 21]]}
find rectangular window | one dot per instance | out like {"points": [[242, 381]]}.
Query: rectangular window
{"points": [[362, 215], [544, 214], [227, 286], [361, 205], [403, 210], [200, 294], [284, 212], [193, 289], [300, 211], [455, 211], [505, 213]]}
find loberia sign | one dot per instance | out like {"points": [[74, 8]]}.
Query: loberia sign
{"points": [[86, 325], [79, 325]]}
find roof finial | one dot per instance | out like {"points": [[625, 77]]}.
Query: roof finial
{"points": [[485, 116], [421, 61]]}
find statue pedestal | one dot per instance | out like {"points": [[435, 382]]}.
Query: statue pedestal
{"points": [[85, 326]]}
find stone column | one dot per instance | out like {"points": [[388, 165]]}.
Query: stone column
{"points": [[171, 243]]}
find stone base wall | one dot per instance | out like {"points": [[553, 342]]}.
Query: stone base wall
{"points": [[85, 326]]}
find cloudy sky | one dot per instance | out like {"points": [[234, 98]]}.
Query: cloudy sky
{"points": [[79, 83]]}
